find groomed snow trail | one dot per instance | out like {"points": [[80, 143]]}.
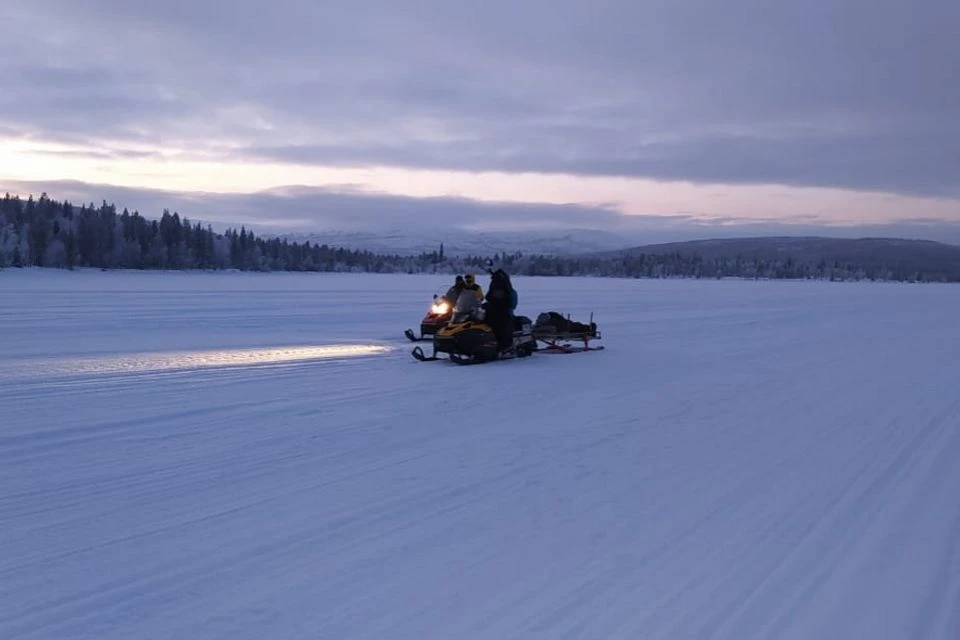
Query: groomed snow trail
{"points": [[257, 456]]}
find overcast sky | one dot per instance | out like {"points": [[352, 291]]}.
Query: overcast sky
{"points": [[813, 112]]}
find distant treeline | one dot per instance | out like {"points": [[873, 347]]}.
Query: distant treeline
{"points": [[688, 264], [46, 233]]}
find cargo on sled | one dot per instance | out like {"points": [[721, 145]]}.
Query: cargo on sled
{"points": [[560, 334]]}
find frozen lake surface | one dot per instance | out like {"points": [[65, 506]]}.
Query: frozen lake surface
{"points": [[237, 456]]}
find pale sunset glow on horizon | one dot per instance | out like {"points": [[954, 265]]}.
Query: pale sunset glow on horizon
{"points": [[630, 196]]}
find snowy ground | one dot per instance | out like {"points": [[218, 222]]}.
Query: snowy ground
{"points": [[257, 456]]}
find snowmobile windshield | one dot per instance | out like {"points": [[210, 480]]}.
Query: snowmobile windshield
{"points": [[467, 304]]}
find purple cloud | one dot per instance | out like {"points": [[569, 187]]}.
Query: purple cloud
{"points": [[861, 94]]}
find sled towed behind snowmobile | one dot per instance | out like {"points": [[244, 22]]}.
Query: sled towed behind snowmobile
{"points": [[557, 332]]}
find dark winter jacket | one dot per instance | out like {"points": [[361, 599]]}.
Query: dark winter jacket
{"points": [[453, 293], [501, 297]]}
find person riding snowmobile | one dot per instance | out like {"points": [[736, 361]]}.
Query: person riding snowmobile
{"points": [[454, 292], [470, 283], [501, 303]]}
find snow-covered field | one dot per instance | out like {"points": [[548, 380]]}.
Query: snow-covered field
{"points": [[258, 456]]}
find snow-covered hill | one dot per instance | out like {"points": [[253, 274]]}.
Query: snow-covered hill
{"points": [[461, 243], [253, 456]]}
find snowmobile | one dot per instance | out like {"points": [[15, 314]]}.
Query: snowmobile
{"points": [[438, 314], [468, 339]]}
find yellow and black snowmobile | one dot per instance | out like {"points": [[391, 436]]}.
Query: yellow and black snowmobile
{"points": [[468, 339]]}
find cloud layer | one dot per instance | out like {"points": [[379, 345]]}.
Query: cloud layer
{"points": [[859, 95]]}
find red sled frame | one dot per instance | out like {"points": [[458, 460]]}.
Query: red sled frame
{"points": [[559, 342]]}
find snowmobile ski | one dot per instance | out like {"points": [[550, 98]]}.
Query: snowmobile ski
{"points": [[419, 355]]}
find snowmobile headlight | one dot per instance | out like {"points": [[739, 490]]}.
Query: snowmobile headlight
{"points": [[440, 308]]}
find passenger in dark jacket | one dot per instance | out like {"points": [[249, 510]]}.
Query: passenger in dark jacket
{"points": [[501, 302], [454, 292]]}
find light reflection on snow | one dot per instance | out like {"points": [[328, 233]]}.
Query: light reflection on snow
{"points": [[188, 360]]}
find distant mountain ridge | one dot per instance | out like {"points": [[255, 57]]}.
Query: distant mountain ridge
{"points": [[778, 245], [904, 256], [603, 253], [466, 243]]}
